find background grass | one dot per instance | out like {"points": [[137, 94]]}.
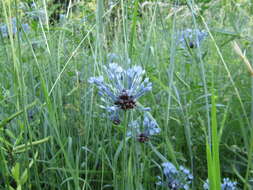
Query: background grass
{"points": [[53, 133]]}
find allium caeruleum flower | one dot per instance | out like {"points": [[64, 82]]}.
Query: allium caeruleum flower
{"points": [[112, 57], [37, 13], [226, 185], [176, 179], [14, 25], [26, 27], [149, 128], [62, 17], [191, 37], [123, 88], [4, 28], [115, 58]]}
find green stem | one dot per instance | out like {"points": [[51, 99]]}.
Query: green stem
{"points": [[124, 165], [250, 150]]}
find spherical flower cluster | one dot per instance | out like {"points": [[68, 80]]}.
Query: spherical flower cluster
{"points": [[146, 130], [191, 38], [226, 185], [123, 88], [176, 179], [37, 13], [4, 28]]}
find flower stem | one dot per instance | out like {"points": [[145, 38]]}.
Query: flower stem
{"points": [[124, 165]]}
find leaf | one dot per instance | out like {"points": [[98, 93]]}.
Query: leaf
{"points": [[13, 116], [119, 149], [11, 188], [24, 177], [25, 147], [15, 172]]}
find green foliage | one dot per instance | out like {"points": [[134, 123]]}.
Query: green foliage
{"points": [[212, 148], [53, 133]]}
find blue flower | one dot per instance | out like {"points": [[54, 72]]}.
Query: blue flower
{"points": [[4, 28], [175, 178], [14, 25], [191, 38], [122, 88], [112, 57], [37, 13], [26, 27], [226, 185], [149, 128], [62, 17]]}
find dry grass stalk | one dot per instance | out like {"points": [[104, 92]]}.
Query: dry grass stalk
{"points": [[244, 58]]}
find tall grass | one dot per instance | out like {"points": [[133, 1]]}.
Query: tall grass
{"points": [[53, 133]]}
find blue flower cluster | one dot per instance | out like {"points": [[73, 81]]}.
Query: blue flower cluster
{"points": [[4, 28], [226, 185], [191, 38], [121, 89], [176, 179], [146, 130], [38, 14]]}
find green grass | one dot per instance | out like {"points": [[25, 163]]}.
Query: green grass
{"points": [[54, 135]]}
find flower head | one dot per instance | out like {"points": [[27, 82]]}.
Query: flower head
{"points": [[144, 132], [37, 13], [226, 185], [112, 57], [191, 38], [4, 28], [123, 88], [26, 27], [176, 178]]}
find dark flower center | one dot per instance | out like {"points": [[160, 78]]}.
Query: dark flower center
{"points": [[116, 121], [191, 44], [125, 101], [174, 185], [142, 138]]}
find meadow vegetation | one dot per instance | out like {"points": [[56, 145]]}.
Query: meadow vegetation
{"points": [[126, 95]]}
